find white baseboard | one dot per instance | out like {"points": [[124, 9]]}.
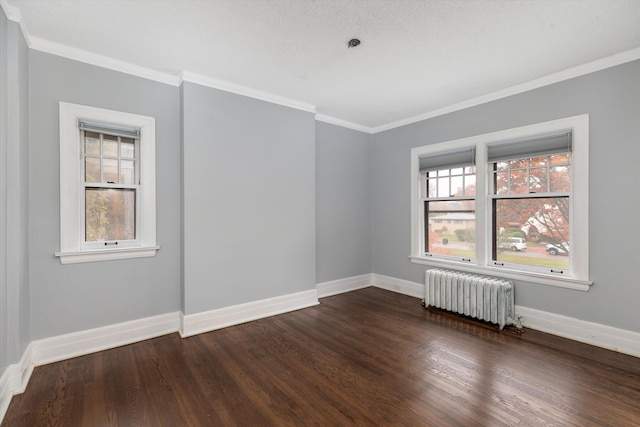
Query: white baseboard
{"points": [[341, 286], [14, 380], [608, 337], [198, 323], [400, 286], [619, 340], [76, 344]]}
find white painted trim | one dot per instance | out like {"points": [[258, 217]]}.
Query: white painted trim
{"points": [[193, 324], [188, 76], [340, 286], [13, 14], [71, 190], [619, 340], [342, 123], [102, 61], [106, 255], [525, 276], [14, 380], [580, 70], [400, 286], [89, 341], [579, 271], [598, 335]]}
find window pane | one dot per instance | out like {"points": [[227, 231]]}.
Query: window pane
{"points": [[560, 179], [470, 185], [110, 145], [110, 214], [92, 169], [559, 159], [502, 183], [451, 228], [519, 164], [519, 183], [502, 166], [127, 148], [92, 143], [110, 170], [539, 161], [127, 175], [457, 186], [443, 187], [528, 230], [538, 180], [432, 190]]}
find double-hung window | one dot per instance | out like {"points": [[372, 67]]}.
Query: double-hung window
{"points": [[107, 184], [512, 203]]}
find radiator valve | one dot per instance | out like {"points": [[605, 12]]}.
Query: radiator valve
{"points": [[518, 326]]}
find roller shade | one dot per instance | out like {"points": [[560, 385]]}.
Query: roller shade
{"points": [[531, 147], [116, 130], [448, 160]]}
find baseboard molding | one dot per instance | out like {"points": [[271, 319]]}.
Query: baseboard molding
{"points": [[340, 286], [400, 286], [596, 334], [14, 380], [76, 344], [198, 323], [608, 337]]}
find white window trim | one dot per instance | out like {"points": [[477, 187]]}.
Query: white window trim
{"points": [[579, 127], [71, 209]]}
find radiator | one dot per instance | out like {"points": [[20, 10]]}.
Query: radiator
{"points": [[486, 298]]}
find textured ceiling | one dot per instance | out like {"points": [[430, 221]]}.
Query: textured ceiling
{"points": [[416, 57]]}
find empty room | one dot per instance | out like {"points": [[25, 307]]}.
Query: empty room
{"points": [[319, 212]]}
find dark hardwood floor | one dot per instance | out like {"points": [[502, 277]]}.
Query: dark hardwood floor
{"points": [[369, 357]]}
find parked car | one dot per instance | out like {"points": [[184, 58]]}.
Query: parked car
{"points": [[513, 243], [558, 249]]}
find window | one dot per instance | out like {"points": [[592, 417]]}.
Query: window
{"points": [[107, 185], [509, 203]]}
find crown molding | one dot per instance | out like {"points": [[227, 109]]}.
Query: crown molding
{"points": [[342, 123], [13, 14], [98, 60], [570, 73], [188, 76]]}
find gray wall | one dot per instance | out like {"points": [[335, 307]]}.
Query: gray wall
{"points": [[612, 99], [343, 203], [68, 298], [14, 186], [249, 199]]}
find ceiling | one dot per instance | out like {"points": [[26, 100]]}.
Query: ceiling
{"points": [[417, 58]]}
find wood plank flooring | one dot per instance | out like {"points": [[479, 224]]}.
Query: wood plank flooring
{"points": [[369, 357]]}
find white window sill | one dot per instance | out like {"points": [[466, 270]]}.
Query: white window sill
{"points": [[106, 254], [526, 276]]}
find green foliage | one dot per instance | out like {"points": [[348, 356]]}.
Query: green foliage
{"points": [[466, 235], [513, 232]]}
